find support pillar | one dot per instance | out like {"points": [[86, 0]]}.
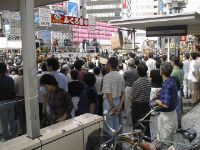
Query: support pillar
{"points": [[29, 68], [168, 50], [133, 39]]}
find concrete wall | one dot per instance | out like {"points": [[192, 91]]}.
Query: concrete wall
{"points": [[68, 135]]}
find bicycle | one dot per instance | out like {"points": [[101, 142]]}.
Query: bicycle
{"points": [[136, 140]]}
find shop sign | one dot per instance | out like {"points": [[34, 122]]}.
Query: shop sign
{"points": [[61, 19], [178, 30]]}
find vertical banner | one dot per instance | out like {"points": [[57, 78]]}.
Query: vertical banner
{"points": [[72, 9], [92, 22], [124, 4]]}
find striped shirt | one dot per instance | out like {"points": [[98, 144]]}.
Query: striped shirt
{"points": [[141, 90], [113, 83]]}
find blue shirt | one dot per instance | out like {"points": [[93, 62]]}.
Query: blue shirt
{"points": [[168, 94], [61, 79]]}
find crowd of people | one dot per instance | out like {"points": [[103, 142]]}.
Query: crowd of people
{"points": [[71, 86]]}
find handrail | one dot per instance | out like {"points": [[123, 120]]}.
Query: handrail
{"points": [[10, 101]]}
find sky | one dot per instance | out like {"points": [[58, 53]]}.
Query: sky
{"points": [[192, 6]]}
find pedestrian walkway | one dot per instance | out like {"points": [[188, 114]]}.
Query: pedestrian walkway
{"points": [[192, 120]]}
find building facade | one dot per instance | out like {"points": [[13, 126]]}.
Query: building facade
{"points": [[174, 6], [144, 8], [107, 10]]}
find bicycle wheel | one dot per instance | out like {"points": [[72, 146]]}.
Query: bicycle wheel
{"points": [[123, 143]]}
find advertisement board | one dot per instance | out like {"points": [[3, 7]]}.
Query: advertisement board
{"points": [[72, 9], [44, 17], [124, 4], [61, 19]]}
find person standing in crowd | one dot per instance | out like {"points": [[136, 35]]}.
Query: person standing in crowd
{"points": [[156, 84], [53, 66], [178, 76], [20, 104], [130, 76], [198, 60], [121, 69], [91, 66], [98, 85], [7, 105], [167, 120], [164, 58], [58, 105], [42, 92], [114, 91], [55, 45], [186, 66], [78, 66], [151, 63], [193, 78], [75, 89], [65, 69], [156, 80], [140, 96], [89, 98]]}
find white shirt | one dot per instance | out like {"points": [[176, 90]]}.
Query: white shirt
{"points": [[151, 64], [99, 84], [194, 67], [186, 66], [121, 72]]}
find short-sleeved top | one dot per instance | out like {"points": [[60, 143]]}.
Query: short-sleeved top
{"points": [[19, 85], [60, 103], [75, 88], [98, 84], [186, 66], [194, 67], [168, 94], [178, 74], [88, 96], [141, 90], [61, 79], [156, 79], [130, 76], [151, 64], [7, 88], [113, 83]]}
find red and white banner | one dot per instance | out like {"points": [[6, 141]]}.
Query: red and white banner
{"points": [[57, 18], [124, 4]]}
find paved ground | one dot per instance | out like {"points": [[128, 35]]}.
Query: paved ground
{"points": [[190, 119]]}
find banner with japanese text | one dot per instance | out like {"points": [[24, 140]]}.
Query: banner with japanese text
{"points": [[61, 19]]}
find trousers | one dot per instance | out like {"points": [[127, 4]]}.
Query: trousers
{"points": [[167, 124]]}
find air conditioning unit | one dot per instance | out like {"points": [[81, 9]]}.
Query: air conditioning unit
{"points": [[167, 1]]}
